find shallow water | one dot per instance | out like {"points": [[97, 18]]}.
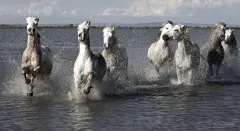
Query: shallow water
{"points": [[144, 104]]}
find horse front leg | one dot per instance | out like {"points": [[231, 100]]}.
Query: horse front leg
{"points": [[89, 84], [217, 70], [31, 86], [27, 80], [210, 69], [78, 81]]}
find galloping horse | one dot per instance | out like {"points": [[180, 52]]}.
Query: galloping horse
{"points": [[212, 51], [159, 51], [230, 47], [36, 59], [88, 67], [116, 57], [187, 55]]}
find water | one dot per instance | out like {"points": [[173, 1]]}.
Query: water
{"points": [[147, 104]]}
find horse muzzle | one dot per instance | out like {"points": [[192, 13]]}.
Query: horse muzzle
{"points": [[30, 31], [165, 37]]}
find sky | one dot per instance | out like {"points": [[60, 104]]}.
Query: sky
{"points": [[120, 11]]}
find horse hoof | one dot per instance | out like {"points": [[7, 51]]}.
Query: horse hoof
{"points": [[30, 94], [87, 91]]}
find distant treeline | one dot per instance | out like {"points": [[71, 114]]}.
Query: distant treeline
{"points": [[71, 26]]}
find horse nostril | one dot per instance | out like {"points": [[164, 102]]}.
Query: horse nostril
{"points": [[33, 30], [165, 36], [29, 29]]}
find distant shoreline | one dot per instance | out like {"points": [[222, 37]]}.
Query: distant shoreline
{"points": [[71, 26]]}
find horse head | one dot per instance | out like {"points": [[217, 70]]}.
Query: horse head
{"points": [[109, 36], [83, 31], [32, 25], [219, 30], [165, 27], [178, 32], [228, 35]]}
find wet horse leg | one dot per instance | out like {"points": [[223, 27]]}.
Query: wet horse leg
{"points": [[27, 80], [31, 86], [89, 82], [210, 69], [217, 70]]}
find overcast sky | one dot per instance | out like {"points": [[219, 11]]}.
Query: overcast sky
{"points": [[120, 11]]}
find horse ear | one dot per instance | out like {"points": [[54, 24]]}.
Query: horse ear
{"points": [[113, 28], [182, 26], [88, 23], [163, 24], [36, 20]]}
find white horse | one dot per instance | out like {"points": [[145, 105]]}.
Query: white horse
{"points": [[230, 47], [36, 59], [116, 57], [187, 55], [88, 67], [159, 52]]}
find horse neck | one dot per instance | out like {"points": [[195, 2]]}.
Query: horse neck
{"points": [[115, 47], [215, 42], [33, 42], [184, 44], [161, 42], [84, 48]]}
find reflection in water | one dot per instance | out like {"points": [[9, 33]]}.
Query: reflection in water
{"points": [[80, 116]]}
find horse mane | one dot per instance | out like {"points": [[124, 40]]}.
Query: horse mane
{"points": [[213, 34], [38, 35], [186, 36]]}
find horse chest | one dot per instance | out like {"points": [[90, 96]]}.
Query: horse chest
{"points": [[84, 65], [111, 58], [182, 59], [33, 58], [161, 53]]}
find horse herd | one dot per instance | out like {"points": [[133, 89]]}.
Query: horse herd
{"points": [[89, 67]]}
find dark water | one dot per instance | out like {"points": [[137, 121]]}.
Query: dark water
{"points": [[144, 105]]}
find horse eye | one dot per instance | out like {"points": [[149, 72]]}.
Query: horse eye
{"points": [[166, 28]]}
